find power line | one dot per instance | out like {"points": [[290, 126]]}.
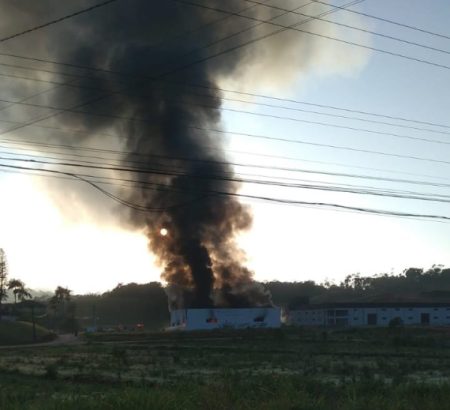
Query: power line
{"points": [[239, 165], [98, 98], [220, 177], [255, 197], [292, 27], [387, 20], [238, 33], [351, 27], [300, 102], [55, 21], [67, 17], [179, 68], [209, 87], [261, 104], [155, 155], [202, 86], [287, 140], [297, 141], [243, 134], [264, 115], [284, 28]]}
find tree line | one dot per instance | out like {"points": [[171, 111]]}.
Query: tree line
{"points": [[146, 304]]}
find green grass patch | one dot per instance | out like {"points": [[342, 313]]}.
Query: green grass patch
{"points": [[293, 369], [12, 333], [228, 391]]}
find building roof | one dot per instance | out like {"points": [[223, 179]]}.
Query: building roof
{"points": [[352, 305]]}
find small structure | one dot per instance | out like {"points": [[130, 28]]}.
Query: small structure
{"points": [[371, 314], [216, 318]]}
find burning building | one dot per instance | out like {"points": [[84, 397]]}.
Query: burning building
{"points": [[207, 319]]}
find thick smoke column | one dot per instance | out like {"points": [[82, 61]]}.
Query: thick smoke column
{"points": [[201, 262]]}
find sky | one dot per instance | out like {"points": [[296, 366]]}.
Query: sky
{"points": [[52, 237]]}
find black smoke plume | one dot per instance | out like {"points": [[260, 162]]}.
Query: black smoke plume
{"points": [[202, 264], [156, 111]]}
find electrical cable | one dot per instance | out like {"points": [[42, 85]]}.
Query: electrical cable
{"points": [[386, 20], [263, 198], [58, 20]]}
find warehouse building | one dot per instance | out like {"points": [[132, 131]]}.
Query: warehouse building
{"points": [[371, 314], [206, 319]]}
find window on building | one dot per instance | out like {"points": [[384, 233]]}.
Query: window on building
{"points": [[355, 318], [410, 318], [435, 317], [436, 309]]}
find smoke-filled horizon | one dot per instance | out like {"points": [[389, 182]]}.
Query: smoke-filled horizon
{"points": [[194, 234]]}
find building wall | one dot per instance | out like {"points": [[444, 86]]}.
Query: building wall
{"points": [[204, 319], [366, 316]]}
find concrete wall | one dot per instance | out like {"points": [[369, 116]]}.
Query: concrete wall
{"points": [[366, 316], [204, 319]]}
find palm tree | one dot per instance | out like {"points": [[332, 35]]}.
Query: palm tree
{"points": [[18, 288], [61, 296], [23, 294], [58, 302]]}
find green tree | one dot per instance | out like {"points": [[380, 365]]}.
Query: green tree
{"points": [[19, 290], [60, 298], [58, 304]]}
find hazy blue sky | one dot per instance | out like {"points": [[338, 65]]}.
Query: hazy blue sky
{"points": [[51, 246]]}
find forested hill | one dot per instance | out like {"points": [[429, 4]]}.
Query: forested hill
{"points": [[147, 303]]}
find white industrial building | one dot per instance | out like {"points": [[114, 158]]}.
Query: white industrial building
{"points": [[371, 314], [206, 319]]}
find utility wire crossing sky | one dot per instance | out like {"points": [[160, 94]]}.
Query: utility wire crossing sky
{"points": [[277, 97]]}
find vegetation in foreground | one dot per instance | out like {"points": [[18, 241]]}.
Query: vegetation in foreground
{"points": [[266, 369], [225, 392]]}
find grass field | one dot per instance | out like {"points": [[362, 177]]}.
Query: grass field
{"points": [[281, 369], [12, 333]]}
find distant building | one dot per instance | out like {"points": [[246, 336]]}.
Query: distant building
{"points": [[205, 319], [370, 314]]}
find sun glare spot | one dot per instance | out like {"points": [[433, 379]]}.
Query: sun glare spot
{"points": [[163, 231]]}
